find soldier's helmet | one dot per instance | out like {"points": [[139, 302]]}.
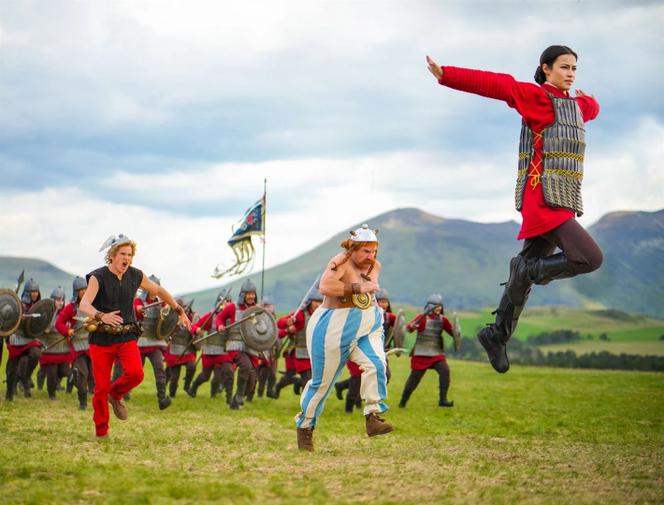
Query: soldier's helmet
{"points": [[224, 294], [247, 287], [58, 293], [315, 295], [382, 294], [433, 300], [143, 295], [29, 287], [78, 283], [267, 300]]}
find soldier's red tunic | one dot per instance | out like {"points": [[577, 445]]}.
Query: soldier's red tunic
{"points": [[139, 317], [300, 365], [534, 105], [425, 362], [65, 322]]}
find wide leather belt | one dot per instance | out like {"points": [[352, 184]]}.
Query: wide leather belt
{"points": [[120, 329]]}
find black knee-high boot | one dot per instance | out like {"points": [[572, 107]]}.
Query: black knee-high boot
{"points": [[494, 336]]}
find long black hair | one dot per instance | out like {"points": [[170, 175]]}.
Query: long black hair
{"points": [[549, 56]]}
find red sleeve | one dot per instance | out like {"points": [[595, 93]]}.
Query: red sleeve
{"points": [[228, 313], [529, 99], [589, 107], [447, 326], [299, 321], [282, 321], [64, 319], [422, 325], [202, 323], [138, 303], [391, 318]]}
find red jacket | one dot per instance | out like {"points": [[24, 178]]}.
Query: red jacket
{"points": [[532, 102], [65, 319]]}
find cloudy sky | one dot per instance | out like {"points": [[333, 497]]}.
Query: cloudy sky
{"points": [[161, 119]]}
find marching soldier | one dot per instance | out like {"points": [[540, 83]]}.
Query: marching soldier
{"points": [[56, 357], [237, 352], [70, 323], [295, 325], [180, 353], [213, 352], [23, 351], [149, 345], [428, 351]]}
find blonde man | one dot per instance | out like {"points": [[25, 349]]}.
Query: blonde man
{"points": [[109, 300]]}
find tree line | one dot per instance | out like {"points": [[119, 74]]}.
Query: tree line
{"points": [[527, 353]]}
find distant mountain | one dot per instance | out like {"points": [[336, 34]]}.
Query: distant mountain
{"points": [[47, 276], [421, 253], [465, 261], [632, 276]]}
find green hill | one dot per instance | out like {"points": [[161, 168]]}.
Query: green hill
{"points": [[466, 262], [47, 275], [632, 276]]}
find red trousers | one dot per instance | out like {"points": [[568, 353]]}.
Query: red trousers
{"points": [[102, 357]]}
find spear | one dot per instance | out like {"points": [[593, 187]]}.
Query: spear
{"points": [[198, 340], [20, 280], [84, 328]]}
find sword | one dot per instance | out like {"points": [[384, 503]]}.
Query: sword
{"points": [[395, 350], [195, 341], [153, 304], [20, 280]]}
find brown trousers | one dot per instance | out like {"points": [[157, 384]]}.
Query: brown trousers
{"points": [[582, 252]]}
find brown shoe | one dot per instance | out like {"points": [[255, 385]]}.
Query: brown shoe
{"points": [[305, 439], [376, 425], [119, 408]]}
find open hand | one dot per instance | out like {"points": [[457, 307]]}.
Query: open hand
{"points": [[434, 68], [113, 318]]}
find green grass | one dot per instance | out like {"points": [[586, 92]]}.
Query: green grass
{"points": [[534, 435], [647, 348], [535, 320]]}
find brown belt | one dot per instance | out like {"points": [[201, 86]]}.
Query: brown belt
{"points": [[343, 302], [120, 329]]}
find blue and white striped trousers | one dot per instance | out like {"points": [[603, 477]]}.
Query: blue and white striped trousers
{"points": [[333, 337]]}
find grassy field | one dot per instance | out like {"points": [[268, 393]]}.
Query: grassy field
{"points": [[629, 334], [534, 435]]}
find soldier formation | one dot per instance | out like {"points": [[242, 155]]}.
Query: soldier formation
{"points": [[239, 344]]}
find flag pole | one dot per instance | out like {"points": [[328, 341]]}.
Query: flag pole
{"points": [[264, 229]]}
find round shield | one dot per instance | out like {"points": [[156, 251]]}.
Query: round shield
{"points": [[259, 331], [399, 331], [39, 317], [11, 311], [168, 321]]}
